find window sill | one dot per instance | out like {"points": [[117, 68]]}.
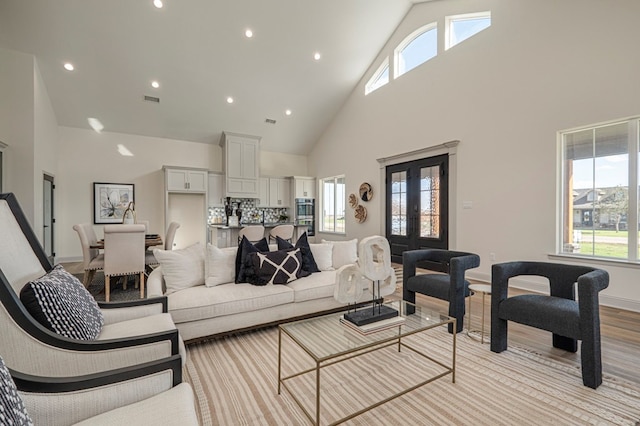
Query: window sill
{"points": [[624, 263], [332, 233]]}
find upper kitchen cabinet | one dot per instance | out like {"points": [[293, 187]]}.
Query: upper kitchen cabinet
{"points": [[279, 192], [216, 190], [185, 180], [263, 192], [304, 187], [241, 160]]}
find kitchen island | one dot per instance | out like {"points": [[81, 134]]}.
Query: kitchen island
{"points": [[227, 236]]}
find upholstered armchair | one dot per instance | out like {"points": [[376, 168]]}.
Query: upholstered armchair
{"points": [[132, 335], [450, 285], [559, 312]]}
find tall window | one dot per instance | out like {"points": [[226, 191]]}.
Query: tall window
{"points": [[379, 78], [599, 212], [416, 49], [460, 27], [333, 199]]}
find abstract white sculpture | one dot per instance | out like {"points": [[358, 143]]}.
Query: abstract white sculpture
{"points": [[349, 284], [375, 257]]}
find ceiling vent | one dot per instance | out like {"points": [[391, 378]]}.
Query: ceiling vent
{"points": [[152, 99], [270, 121]]}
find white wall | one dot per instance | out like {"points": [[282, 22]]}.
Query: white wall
{"points": [[541, 67], [85, 156]]}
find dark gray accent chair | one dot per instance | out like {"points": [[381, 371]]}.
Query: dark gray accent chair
{"points": [[450, 285], [560, 313]]}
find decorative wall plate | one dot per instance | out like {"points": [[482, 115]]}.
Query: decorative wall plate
{"points": [[361, 214], [353, 201], [366, 193]]}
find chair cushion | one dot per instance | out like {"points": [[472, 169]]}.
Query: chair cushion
{"points": [[434, 285], [344, 252], [554, 314], [12, 409], [182, 268], [219, 265], [60, 302], [244, 249], [308, 262], [276, 267]]}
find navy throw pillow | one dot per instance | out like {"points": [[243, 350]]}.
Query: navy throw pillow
{"points": [[308, 262], [244, 249]]}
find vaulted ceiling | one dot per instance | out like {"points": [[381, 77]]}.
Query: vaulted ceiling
{"points": [[199, 54]]}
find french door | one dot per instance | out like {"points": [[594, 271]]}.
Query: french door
{"points": [[417, 199], [47, 217]]}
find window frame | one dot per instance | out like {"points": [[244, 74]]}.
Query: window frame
{"points": [[335, 204], [371, 86], [633, 214], [432, 26], [448, 27]]}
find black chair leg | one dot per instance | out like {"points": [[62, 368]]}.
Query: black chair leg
{"points": [[409, 296], [498, 335], [566, 343]]}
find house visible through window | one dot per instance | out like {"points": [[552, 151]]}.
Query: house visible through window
{"points": [[415, 49], [599, 214], [333, 202], [461, 27]]}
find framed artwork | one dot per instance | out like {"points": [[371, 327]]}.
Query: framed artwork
{"points": [[110, 200]]}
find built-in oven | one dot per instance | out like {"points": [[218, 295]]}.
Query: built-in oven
{"points": [[305, 214]]}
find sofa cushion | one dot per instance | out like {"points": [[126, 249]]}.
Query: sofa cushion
{"points": [[182, 268], [244, 249], [344, 252], [323, 256], [308, 262], [219, 265], [314, 286], [276, 267], [60, 302], [202, 302], [12, 409]]}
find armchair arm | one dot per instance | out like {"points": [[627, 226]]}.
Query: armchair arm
{"points": [[589, 287], [122, 311], [155, 283], [411, 258]]}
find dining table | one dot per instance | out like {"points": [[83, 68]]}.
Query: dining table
{"points": [[150, 240]]}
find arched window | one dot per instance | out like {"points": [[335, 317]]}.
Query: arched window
{"points": [[379, 78], [417, 48], [461, 27]]}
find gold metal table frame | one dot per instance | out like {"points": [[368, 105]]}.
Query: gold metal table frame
{"points": [[325, 353]]}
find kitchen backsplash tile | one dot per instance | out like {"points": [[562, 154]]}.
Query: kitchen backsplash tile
{"points": [[250, 212]]}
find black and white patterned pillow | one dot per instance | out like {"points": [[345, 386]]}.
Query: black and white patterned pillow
{"points": [[59, 301], [277, 267], [12, 409], [308, 262]]}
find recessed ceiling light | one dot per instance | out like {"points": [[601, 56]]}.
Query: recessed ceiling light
{"points": [[248, 33], [69, 66], [229, 100], [316, 56], [155, 84], [95, 124], [158, 3], [288, 112]]}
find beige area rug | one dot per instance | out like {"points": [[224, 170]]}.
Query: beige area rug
{"points": [[235, 381]]}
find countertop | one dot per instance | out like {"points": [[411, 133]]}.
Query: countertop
{"points": [[266, 225]]}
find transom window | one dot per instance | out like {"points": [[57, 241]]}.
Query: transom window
{"points": [[379, 78], [461, 27], [599, 164], [416, 49], [333, 202]]}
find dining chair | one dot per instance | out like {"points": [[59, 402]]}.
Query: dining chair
{"points": [[93, 260], [283, 231], [253, 233], [150, 260], [124, 254]]}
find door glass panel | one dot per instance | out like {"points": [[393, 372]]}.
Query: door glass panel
{"points": [[399, 203], [430, 202]]}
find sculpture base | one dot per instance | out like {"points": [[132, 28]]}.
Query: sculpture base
{"points": [[369, 314]]}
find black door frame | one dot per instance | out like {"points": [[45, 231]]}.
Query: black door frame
{"points": [[48, 178]]}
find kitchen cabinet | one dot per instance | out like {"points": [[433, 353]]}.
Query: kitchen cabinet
{"points": [[216, 190], [304, 187], [263, 192], [241, 160], [279, 192], [186, 180]]}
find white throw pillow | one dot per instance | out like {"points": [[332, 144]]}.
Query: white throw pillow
{"points": [[344, 252], [182, 268], [322, 254], [219, 265]]}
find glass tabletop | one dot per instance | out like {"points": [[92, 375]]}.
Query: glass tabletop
{"points": [[326, 337]]}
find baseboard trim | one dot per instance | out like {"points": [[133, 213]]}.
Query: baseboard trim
{"points": [[524, 284], [68, 259]]}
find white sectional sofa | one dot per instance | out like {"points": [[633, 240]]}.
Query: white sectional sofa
{"points": [[200, 311]]}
